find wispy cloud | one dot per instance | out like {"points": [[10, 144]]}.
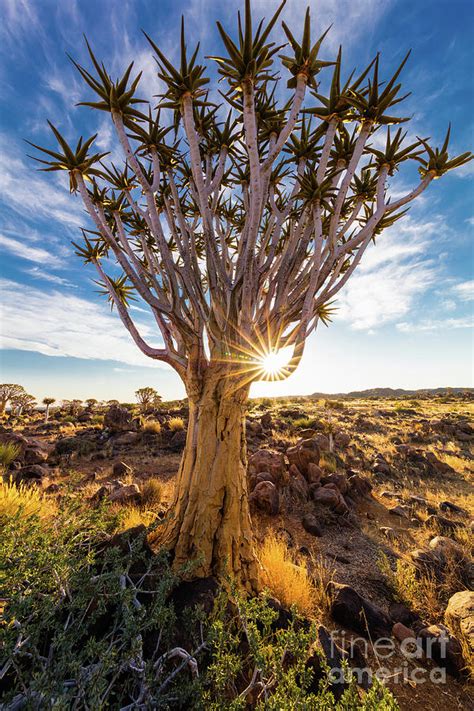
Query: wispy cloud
{"points": [[391, 277], [31, 194], [435, 325], [464, 290], [60, 324], [38, 273], [26, 251]]}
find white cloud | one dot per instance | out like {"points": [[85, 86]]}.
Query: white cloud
{"points": [[464, 290], [26, 251], [435, 325], [38, 273], [32, 195], [61, 324], [391, 276]]}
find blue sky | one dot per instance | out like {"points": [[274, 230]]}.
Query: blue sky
{"points": [[403, 319]]}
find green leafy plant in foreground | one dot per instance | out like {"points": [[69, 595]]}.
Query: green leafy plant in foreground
{"points": [[88, 623]]}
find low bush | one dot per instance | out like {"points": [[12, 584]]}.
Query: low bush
{"points": [[152, 426], [152, 491], [176, 424], [9, 451], [283, 574]]}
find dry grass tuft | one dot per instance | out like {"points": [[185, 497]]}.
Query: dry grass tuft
{"points": [[132, 516], [9, 451], [152, 426], [176, 424], [327, 462], [152, 493], [285, 577], [26, 501]]}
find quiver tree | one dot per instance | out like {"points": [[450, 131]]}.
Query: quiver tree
{"points": [[48, 401], [8, 392], [147, 398], [237, 222], [22, 403]]}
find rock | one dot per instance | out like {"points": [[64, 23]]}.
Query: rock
{"points": [[334, 658], [436, 464], [322, 442], [359, 486], [267, 460], [125, 494], [265, 497], [127, 439], [298, 486], [381, 466], [445, 547], [391, 495], [401, 613], [388, 532], [34, 455], [351, 610], [402, 511], [121, 469], [427, 562], [52, 489], [178, 441], [339, 481], [314, 473], [342, 440], [266, 421], [402, 633], [418, 500], [459, 616], [101, 493], [32, 473], [119, 419], [311, 525], [331, 497], [449, 506], [442, 647], [305, 452], [444, 524]]}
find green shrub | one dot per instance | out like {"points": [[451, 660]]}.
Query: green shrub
{"points": [[9, 451]]}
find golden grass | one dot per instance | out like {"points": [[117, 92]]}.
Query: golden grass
{"points": [[152, 493], [327, 462], [152, 426], [28, 501], [285, 577], [132, 516], [176, 424]]}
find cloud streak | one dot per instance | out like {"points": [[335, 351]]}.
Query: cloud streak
{"points": [[61, 324]]}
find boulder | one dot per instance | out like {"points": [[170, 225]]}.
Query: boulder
{"points": [[381, 466], [298, 486], [442, 648], [266, 421], [459, 616], [311, 525], [119, 419], [322, 441], [127, 439], [342, 440], [265, 497], [266, 460], [339, 481], [178, 441], [34, 455], [330, 496], [304, 453], [351, 610], [402, 511], [449, 506], [121, 469], [446, 548], [359, 486], [32, 473], [314, 473], [129, 493], [442, 523], [401, 632]]}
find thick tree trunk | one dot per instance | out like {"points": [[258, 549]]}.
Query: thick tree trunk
{"points": [[210, 522]]}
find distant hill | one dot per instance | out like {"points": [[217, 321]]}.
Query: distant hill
{"points": [[396, 392]]}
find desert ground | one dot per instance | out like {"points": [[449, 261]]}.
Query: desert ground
{"points": [[362, 508]]}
